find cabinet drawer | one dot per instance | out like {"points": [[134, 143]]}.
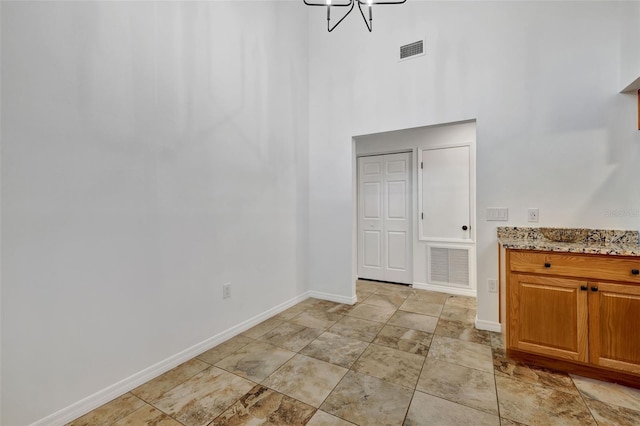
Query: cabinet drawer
{"points": [[593, 267]]}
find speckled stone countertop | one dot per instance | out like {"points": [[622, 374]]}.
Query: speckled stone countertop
{"points": [[597, 241]]}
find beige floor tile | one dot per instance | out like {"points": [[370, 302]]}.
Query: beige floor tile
{"points": [[290, 313], [372, 313], [256, 360], [369, 286], [224, 349], [306, 379], [456, 313], [263, 406], [433, 411], [385, 300], [531, 374], [462, 302], [507, 422], [262, 328], [316, 319], [609, 393], [404, 339], [391, 365], [156, 387], [497, 340], [291, 336], [429, 296], [340, 309], [538, 405], [394, 289], [462, 331], [147, 415], [203, 397], [421, 307], [612, 415], [320, 418], [333, 348], [363, 295], [420, 322], [356, 328], [366, 400], [466, 386], [467, 354], [110, 412]]}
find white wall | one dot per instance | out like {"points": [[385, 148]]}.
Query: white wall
{"points": [[150, 152], [542, 80], [630, 45]]}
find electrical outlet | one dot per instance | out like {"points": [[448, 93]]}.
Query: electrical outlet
{"points": [[493, 286], [532, 215], [226, 290]]}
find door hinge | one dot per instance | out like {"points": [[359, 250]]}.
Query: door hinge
{"points": [[422, 165]]}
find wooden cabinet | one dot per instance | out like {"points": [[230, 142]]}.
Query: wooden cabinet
{"points": [[614, 318], [584, 309], [549, 316]]}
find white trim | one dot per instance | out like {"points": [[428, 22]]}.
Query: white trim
{"points": [[445, 289], [333, 297], [488, 325], [105, 395]]}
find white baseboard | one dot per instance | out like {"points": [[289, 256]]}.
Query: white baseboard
{"points": [[488, 325], [333, 297], [105, 395], [449, 290]]}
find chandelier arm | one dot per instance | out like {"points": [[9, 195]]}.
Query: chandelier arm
{"points": [[332, 5], [365, 2], [329, 27], [370, 23]]}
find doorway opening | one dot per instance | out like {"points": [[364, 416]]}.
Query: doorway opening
{"points": [[414, 207]]}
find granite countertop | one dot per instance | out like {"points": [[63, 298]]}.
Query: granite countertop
{"points": [[597, 241]]}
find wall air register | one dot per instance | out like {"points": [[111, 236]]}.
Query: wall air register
{"points": [[412, 50]]}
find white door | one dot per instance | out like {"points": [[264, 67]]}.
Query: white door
{"points": [[445, 194], [384, 218]]}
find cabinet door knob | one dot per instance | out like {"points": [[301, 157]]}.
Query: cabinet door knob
{"points": [[547, 265], [465, 227], [635, 272], [594, 288], [583, 287]]}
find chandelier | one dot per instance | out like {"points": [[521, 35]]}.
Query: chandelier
{"points": [[350, 4]]}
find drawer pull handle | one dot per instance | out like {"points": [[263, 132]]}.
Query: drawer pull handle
{"points": [[547, 265], [583, 287], [594, 288], [635, 272]]}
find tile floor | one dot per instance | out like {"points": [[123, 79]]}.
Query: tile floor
{"points": [[398, 357]]}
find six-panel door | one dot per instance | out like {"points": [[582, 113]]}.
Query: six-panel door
{"points": [[384, 218]]}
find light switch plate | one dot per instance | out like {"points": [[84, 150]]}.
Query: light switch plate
{"points": [[497, 213]]}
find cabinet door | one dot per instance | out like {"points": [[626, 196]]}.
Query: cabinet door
{"points": [[614, 315], [548, 316]]}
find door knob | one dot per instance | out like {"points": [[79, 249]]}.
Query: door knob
{"points": [[465, 227], [594, 288], [547, 265], [583, 287], [635, 272]]}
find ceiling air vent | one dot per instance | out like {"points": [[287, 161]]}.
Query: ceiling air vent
{"points": [[412, 50]]}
